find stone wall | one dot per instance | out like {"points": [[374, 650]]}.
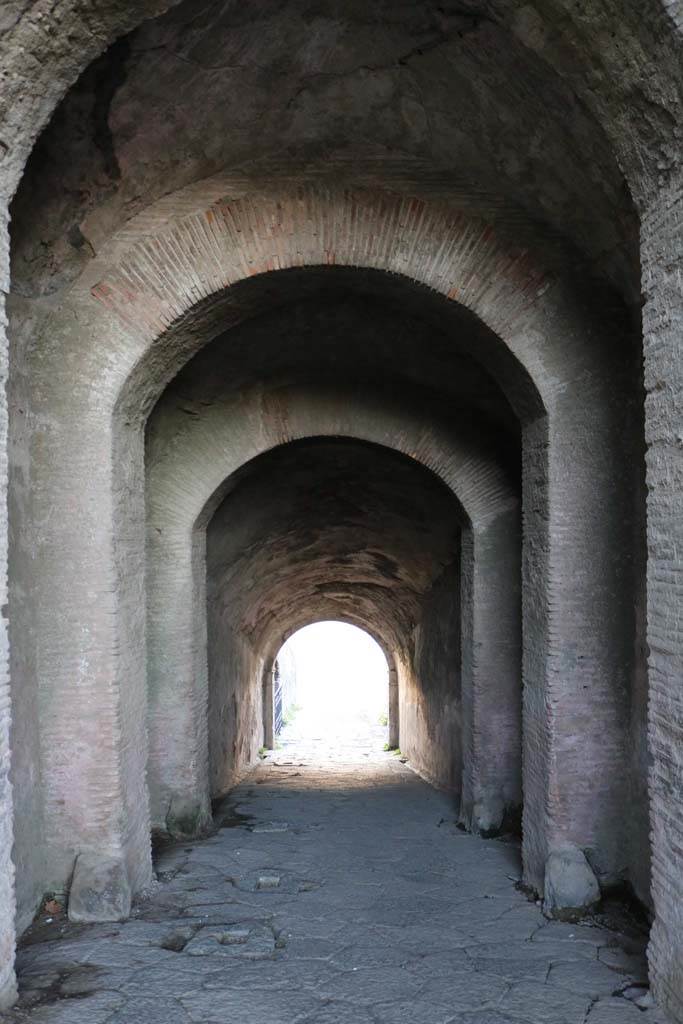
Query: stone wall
{"points": [[663, 332], [7, 862], [186, 449], [235, 704], [430, 686], [522, 313], [313, 526], [563, 126]]}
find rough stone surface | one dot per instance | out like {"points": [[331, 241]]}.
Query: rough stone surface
{"points": [[330, 87], [558, 125], [521, 313], [663, 346], [248, 231], [488, 813], [7, 864], [99, 889], [357, 533], [376, 584], [385, 911], [571, 887]]}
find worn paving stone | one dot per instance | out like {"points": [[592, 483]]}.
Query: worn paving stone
{"points": [[230, 1006], [369, 985], [162, 983], [364, 954], [420, 939], [485, 1017], [594, 978], [151, 1011], [512, 969], [339, 1013], [465, 990], [620, 1011], [283, 975], [412, 1013], [95, 1009], [546, 1004], [548, 952], [383, 911]]}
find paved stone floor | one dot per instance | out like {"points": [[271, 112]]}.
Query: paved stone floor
{"points": [[335, 892]]}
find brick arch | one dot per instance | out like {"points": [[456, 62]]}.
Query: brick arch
{"points": [[117, 340], [188, 479], [550, 341], [275, 642], [168, 283], [30, 102]]}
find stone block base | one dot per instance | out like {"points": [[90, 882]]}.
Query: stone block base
{"points": [[571, 889], [187, 818], [100, 890]]}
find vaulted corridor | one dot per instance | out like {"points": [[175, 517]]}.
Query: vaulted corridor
{"points": [[321, 310], [335, 892]]}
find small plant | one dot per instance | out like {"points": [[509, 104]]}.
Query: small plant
{"points": [[263, 752], [383, 720], [290, 712], [391, 750]]}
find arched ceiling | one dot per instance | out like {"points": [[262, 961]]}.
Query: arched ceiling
{"points": [[622, 59], [329, 528], [361, 332], [409, 96]]}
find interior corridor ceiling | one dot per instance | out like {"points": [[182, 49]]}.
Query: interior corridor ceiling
{"points": [[363, 312]]}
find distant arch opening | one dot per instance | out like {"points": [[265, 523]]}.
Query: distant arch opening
{"points": [[331, 693]]}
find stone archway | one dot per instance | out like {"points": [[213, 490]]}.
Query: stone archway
{"points": [[281, 638], [191, 459], [150, 306], [99, 27]]}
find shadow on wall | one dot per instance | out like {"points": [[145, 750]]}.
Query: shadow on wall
{"points": [[430, 719]]}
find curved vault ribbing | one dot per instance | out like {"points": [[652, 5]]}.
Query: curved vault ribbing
{"points": [[329, 527], [636, 53], [193, 448], [162, 300]]}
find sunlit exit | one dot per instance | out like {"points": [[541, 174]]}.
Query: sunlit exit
{"points": [[331, 690]]}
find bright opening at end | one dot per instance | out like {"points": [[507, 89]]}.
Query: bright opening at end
{"points": [[331, 693]]}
